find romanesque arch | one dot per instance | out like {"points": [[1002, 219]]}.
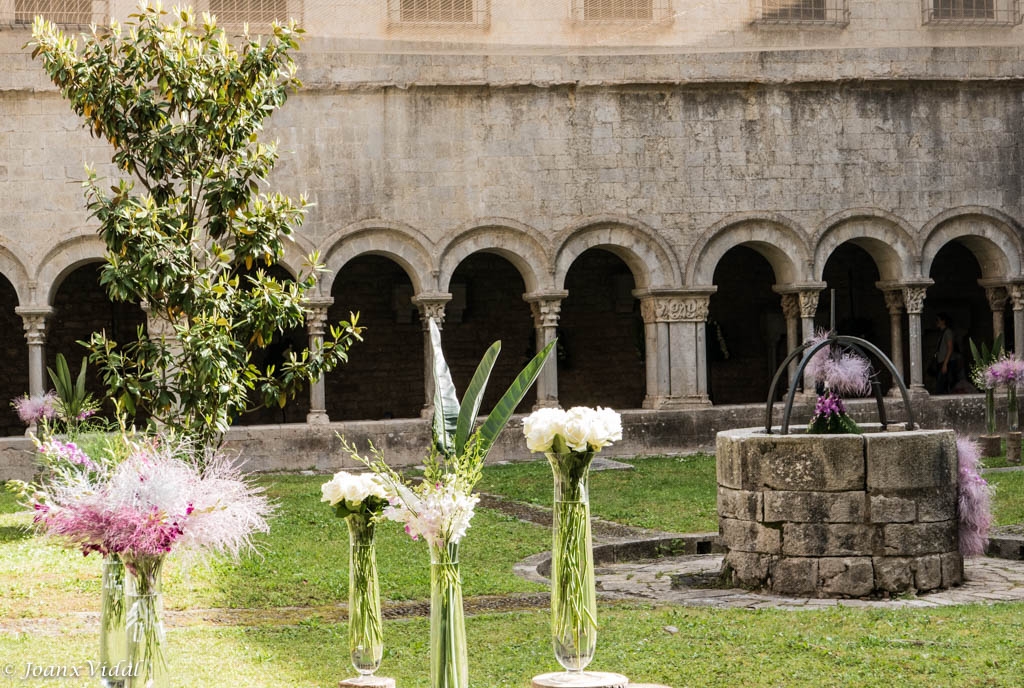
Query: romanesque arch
{"points": [[778, 240], [12, 267], [993, 237], [65, 258], [402, 244], [520, 245], [650, 258], [887, 239]]}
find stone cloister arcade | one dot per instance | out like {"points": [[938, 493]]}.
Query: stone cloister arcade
{"points": [[642, 322]]}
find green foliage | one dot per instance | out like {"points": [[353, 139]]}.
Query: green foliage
{"points": [[453, 422], [182, 106], [983, 357], [74, 403]]}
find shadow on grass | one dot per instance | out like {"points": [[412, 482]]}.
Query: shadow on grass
{"points": [[14, 534]]}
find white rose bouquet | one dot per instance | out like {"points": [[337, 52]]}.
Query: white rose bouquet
{"points": [[570, 439], [355, 493]]}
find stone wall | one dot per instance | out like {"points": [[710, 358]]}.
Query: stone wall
{"points": [[839, 515]]}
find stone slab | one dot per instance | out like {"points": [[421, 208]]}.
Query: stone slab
{"points": [[749, 536], [916, 539], [368, 682], [583, 679], [814, 507], [832, 539], [846, 576], [740, 504], [911, 460]]}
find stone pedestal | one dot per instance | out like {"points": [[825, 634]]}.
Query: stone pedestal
{"points": [[368, 682], [839, 515], [585, 679], [991, 445], [1013, 448]]}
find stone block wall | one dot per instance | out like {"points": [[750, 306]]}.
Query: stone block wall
{"points": [[839, 515]]}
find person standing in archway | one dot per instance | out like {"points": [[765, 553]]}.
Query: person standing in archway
{"points": [[945, 356]]}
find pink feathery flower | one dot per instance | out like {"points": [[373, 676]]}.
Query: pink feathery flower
{"points": [[815, 368], [848, 374], [844, 373], [1008, 370], [69, 452], [975, 500], [34, 409]]}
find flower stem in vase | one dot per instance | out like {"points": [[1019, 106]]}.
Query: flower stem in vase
{"points": [[113, 641], [990, 410], [365, 630], [573, 590], [449, 664], [145, 627], [1013, 415]]}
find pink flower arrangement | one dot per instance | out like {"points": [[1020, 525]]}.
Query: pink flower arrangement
{"points": [[35, 409], [842, 372], [975, 500], [67, 452], [153, 503], [1008, 371]]}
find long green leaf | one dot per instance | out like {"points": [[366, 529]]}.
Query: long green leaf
{"points": [[80, 385], [474, 396], [506, 406], [446, 400]]}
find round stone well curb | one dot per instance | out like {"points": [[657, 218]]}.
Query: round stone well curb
{"points": [[839, 515]]}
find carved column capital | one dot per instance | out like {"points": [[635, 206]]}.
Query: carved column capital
{"points": [[996, 298], [1017, 296], [894, 301], [790, 306], [675, 308], [913, 298], [546, 307], [809, 302], [34, 321], [431, 306]]}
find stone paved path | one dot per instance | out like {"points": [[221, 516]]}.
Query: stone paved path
{"points": [[988, 580]]}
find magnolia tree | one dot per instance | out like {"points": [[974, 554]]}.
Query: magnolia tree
{"points": [[188, 229]]}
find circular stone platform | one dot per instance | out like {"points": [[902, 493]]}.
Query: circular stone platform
{"points": [[664, 580]]}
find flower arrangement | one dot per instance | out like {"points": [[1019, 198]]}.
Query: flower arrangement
{"points": [[439, 508], [360, 499], [1008, 371], [975, 500], [156, 501], [983, 358], [63, 409], [569, 440], [836, 373]]}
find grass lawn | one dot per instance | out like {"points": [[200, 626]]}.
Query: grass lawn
{"points": [[290, 639], [675, 494]]}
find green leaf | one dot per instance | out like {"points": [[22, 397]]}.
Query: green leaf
{"points": [[80, 384], [506, 406], [446, 401], [474, 396]]}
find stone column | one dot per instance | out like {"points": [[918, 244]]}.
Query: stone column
{"points": [[316, 327], [996, 296], [546, 307], [1017, 299], [791, 311], [913, 299], [808, 299], [34, 321], [894, 303], [674, 323], [431, 306]]}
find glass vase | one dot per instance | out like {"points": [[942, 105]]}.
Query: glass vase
{"points": [[113, 642], [144, 624], [573, 592], [449, 664], [990, 410], [365, 628], [1013, 416]]}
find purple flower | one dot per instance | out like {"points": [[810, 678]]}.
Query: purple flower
{"points": [[34, 409], [975, 500], [67, 451], [829, 404], [1008, 371]]}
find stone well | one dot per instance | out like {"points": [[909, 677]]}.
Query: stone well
{"points": [[839, 515]]}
